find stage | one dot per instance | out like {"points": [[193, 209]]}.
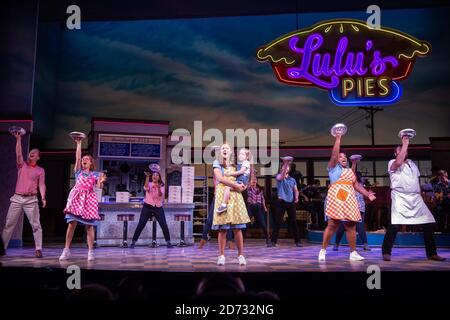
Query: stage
{"points": [[173, 274], [283, 258]]}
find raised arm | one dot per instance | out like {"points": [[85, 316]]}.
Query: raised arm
{"points": [[42, 189], [77, 156], [220, 179], [401, 156], [147, 179], [283, 172], [354, 165], [19, 154], [335, 152]]}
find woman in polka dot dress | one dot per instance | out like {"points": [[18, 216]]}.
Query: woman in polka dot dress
{"points": [[341, 202], [82, 205]]}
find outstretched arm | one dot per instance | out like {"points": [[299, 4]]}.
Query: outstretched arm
{"points": [[77, 156], [401, 156], [368, 194], [19, 154], [335, 152]]}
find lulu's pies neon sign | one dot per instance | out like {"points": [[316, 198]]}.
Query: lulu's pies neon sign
{"points": [[356, 64]]}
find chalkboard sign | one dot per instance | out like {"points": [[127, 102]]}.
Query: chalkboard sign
{"points": [[114, 149], [132, 147], [145, 150]]}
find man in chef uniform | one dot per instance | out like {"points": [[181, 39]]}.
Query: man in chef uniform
{"points": [[408, 206]]}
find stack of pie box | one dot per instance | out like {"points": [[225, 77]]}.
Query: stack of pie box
{"points": [[187, 184]]}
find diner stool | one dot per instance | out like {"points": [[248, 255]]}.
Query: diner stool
{"points": [[125, 218], [153, 244], [182, 218], [102, 218]]}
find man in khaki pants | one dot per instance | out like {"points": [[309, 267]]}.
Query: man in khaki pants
{"points": [[29, 177]]}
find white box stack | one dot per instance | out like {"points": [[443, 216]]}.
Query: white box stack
{"points": [[187, 184], [174, 194], [122, 197]]}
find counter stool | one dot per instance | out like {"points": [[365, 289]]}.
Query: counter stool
{"points": [[182, 218], [102, 218], [153, 244], [125, 218]]}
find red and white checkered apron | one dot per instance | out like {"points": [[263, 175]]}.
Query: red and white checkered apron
{"points": [[82, 201], [341, 199]]}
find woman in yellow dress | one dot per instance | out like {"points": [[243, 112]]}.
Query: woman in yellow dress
{"points": [[236, 216]]}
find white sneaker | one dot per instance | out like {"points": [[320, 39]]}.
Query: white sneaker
{"points": [[91, 256], [221, 261], [65, 255], [242, 261], [354, 256], [322, 255]]}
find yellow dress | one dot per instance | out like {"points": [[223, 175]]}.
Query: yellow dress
{"points": [[236, 213]]}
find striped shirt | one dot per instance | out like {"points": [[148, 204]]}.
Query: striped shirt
{"points": [[255, 196]]}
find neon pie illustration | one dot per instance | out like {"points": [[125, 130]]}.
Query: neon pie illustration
{"points": [[358, 65]]}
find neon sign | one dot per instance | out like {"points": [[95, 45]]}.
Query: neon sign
{"points": [[356, 64]]}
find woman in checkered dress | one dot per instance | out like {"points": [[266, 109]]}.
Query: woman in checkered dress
{"points": [[341, 202], [82, 205], [236, 217]]}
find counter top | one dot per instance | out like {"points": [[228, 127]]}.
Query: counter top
{"points": [[138, 205]]}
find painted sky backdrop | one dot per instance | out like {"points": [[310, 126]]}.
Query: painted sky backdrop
{"points": [[205, 69]]}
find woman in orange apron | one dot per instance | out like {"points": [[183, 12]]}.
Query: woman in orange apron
{"points": [[341, 202]]}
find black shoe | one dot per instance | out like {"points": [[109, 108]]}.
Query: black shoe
{"points": [[298, 244], [386, 257], [169, 245], [132, 244], [272, 244], [38, 254]]}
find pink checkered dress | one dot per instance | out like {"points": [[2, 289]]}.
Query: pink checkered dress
{"points": [[82, 201]]}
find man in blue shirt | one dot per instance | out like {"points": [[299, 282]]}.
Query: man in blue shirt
{"points": [[287, 198]]}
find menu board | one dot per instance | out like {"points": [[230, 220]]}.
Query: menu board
{"points": [[124, 146]]}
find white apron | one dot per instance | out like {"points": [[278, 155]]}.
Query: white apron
{"points": [[408, 206]]}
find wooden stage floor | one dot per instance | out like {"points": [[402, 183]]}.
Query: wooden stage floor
{"points": [[284, 258]]}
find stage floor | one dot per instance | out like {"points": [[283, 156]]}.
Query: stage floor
{"points": [[284, 258]]}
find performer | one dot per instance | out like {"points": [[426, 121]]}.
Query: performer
{"points": [[257, 206], [360, 227], [242, 175], [82, 205], [341, 202], [287, 198], [408, 206], [153, 206], [236, 217], [29, 177], [441, 190], [209, 219]]}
